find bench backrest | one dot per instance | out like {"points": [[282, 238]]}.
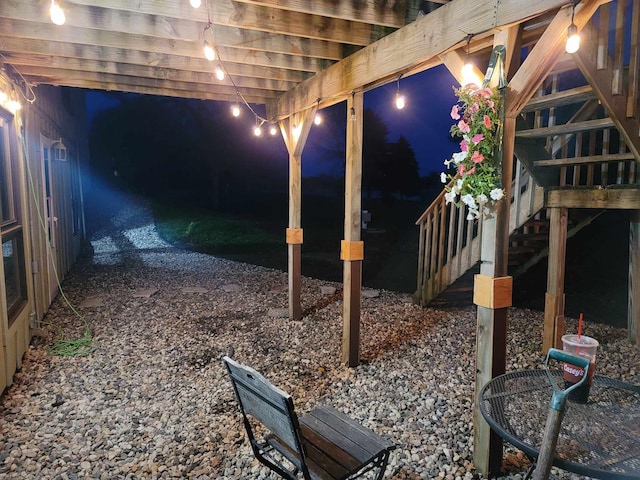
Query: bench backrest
{"points": [[267, 404]]}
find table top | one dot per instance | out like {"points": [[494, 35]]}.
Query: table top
{"points": [[599, 439]]}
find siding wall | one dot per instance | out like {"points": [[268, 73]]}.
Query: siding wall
{"points": [[56, 114]]}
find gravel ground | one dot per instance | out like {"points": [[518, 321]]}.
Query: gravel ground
{"points": [[153, 401]]}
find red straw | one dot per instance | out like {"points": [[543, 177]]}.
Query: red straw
{"points": [[579, 328]]}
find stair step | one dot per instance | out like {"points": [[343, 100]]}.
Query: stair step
{"points": [[565, 162], [518, 250], [566, 97], [568, 128], [529, 237]]}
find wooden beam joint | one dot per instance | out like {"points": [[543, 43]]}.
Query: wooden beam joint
{"points": [[492, 292], [294, 236], [351, 251]]}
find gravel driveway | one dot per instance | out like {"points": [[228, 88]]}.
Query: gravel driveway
{"points": [[153, 401]]}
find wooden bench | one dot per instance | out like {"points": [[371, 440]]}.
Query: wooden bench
{"points": [[323, 444]]}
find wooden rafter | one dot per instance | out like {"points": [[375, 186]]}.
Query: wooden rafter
{"points": [[420, 43]]}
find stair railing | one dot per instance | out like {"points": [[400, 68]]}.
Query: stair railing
{"points": [[449, 244]]}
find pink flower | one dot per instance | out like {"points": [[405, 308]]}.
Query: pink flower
{"points": [[454, 112], [485, 92], [463, 146], [487, 122], [462, 170], [491, 104], [474, 108], [477, 138], [477, 157], [463, 126]]}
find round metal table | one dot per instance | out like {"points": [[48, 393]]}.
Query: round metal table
{"points": [[599, 439]]}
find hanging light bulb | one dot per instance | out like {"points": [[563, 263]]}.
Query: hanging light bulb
{"points": [[468, 68], [272, 130], [209, 53], [257, 130], [57, 14], [219, 72], [573, 38], [235, 110], [352, 110], [318, 119], [400, 100], [195, 3]]}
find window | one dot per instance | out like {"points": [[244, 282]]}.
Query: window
{"points": [[14, 275], [13, 259]]}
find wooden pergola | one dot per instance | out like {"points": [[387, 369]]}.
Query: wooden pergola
{"points": [[297, 57]]}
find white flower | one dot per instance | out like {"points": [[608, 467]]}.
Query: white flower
{"points": [[459, 157], [459, 184], [496, 194], [468, 200], [447, 163], [443, 177], [482, 198], [473, 214], [450, 196]]}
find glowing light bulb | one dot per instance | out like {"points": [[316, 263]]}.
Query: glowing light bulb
{"points": [[195, 3], [235, 110], [318, 119], [219, 73], [57, 14], [209, 53], [400, 101], [573, 39], [3, 97], [468, 74], [272, 130], [257, 131]]}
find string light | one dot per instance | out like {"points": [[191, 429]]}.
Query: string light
{"points": [[195, 3], [57, 14], [257, 130], [235, 110], [219, 72], [272, 130], [209, 53], [468, 68], [352, 110], [318, 119], [573, 38], [400, 100]]}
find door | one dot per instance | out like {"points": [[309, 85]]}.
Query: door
{"points": [[49, 213]]}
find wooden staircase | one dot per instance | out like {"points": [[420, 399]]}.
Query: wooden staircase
{"points": [[578, 138]]}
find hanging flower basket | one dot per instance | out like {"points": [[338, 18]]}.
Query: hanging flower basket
{"points": [[476, 180]]}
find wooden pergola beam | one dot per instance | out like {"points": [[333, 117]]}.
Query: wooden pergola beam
{"points": [[606, 198], [549, 48], [419, 43], [182, 21]]}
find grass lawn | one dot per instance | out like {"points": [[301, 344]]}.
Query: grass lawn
{"points": [[254, 232]]}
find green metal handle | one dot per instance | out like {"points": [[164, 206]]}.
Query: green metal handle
{"points": [[559, 397], [562, 356]]}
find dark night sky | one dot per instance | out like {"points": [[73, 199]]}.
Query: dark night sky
{"points": [[424, 121]]}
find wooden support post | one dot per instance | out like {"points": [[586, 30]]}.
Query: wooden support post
{"points": [[492, 293], [633, 314], [352, 249], [295, 130], [554, 298]]}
